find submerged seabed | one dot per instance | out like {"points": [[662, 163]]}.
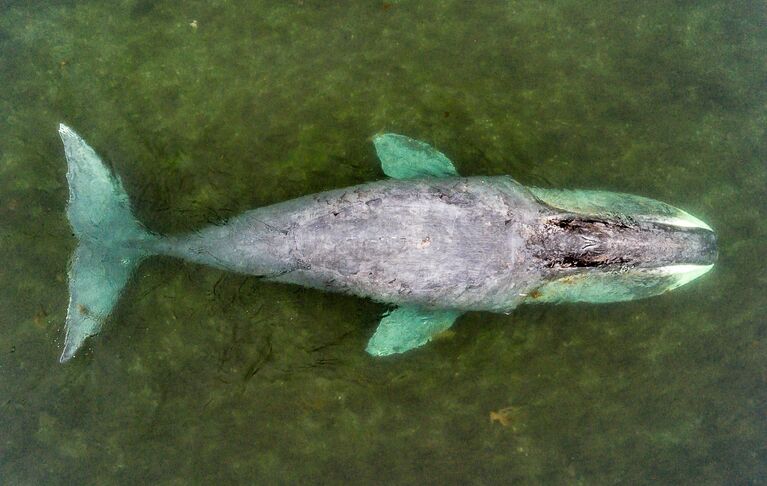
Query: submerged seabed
{"points": [[210, 108]]}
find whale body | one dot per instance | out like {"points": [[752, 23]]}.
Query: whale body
{"points": [[426, 240]]}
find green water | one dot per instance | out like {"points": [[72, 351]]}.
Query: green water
{"points": [[209, 108]]}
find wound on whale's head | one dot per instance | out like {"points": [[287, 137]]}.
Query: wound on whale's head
{"points": [[598, 246]]}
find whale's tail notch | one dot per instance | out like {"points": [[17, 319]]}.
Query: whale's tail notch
{"points": [[111, 242]]}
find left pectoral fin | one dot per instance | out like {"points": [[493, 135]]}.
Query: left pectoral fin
{"points": [[405, 158], [406, 328]]}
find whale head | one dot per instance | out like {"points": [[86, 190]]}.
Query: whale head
{"points": [[597, 246]]}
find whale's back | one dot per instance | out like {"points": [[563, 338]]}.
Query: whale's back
{"points": [[448, 243]]}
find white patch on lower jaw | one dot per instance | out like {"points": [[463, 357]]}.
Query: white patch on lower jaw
{"points": [[684, 220], [683, 273]]}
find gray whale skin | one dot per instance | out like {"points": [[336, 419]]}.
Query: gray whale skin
{"points": [[428, 242]]}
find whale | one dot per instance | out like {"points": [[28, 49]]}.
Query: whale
{"points": [[427, 242]]}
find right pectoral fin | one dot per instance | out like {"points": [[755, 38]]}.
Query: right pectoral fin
{"points": [[409, 327]]}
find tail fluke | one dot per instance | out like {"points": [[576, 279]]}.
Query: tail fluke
{"points": [[111, 242]]}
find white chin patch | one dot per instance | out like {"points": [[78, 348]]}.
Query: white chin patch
{"points": [[683, 273], [684, 219]]}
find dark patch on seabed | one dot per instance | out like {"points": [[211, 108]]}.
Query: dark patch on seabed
{"points": [[210, 108]]}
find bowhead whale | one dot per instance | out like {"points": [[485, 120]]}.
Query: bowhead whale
{"points": [[426, 240]]}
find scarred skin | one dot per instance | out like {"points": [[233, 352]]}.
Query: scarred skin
{"points": [[443, 243]]}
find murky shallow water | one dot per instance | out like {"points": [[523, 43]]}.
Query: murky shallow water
{"points": [[210, 108]]}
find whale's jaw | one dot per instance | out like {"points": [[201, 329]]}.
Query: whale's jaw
{"points": [[685, 274]]}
